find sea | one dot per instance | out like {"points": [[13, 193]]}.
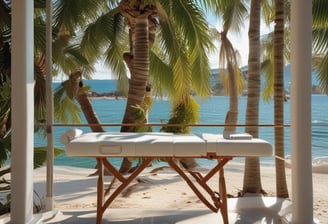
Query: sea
{"points": [[212, 110]]}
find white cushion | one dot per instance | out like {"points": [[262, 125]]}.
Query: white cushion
{"points": [[158, 144]]}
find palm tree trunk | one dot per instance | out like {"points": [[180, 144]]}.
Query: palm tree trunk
{"points": [[139, 72], [230, 56], [278, 45], [83, 100], [139, 69], [252, 176], [232, 115], [86, 105]]}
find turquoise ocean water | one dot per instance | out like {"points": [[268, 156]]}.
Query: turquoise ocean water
{"points": [[212, 110]]}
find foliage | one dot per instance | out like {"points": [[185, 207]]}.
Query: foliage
{"points": [[37, 206], [179, 61], [141, 113], [5, 133], [5, 148], [64, 99], [224, 77], [320, 45], [40, 155], [183, 113], [5, 206], [5, 88], [140, 118], [320, 41]]}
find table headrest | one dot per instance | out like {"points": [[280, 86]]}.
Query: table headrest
{"points": [[70, 134]]}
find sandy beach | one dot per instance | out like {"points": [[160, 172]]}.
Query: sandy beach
{"points": [[162, 188]]}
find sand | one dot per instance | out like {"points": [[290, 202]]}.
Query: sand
{"points": [[163, 189]]}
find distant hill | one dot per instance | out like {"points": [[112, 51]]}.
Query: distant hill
{"points": [[217, 87], [287, 75]]}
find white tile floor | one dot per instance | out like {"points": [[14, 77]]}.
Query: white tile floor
{"points": [[249, 210]]}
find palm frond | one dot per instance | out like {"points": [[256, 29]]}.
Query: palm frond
{"points": [[5, 96], [268, 11], [320, 39], [101, 33], [39, 92], [71, 15], [5, 17], [210, 5], [161, 75], [183, 112], [320, 64], [267, 65], [192, 26], [234, 14], [40, 155], [39, 36], [65, 109], [181, 77], [185, 42], [5, 147], [117, 37], [176, 56], [320, 26], [201, 73], [108, 32], [320, 12], [267, 68], [224, 76], [68, 58], [114, 60]]}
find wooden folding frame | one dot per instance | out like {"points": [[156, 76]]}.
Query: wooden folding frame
{"points": [[219, 201]]}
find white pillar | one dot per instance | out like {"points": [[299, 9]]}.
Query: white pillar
{"points": [[301, 49], [22, 75]]}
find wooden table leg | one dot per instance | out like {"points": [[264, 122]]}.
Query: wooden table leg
{"points": [[223, 193], [104, 202], [124, 181]]}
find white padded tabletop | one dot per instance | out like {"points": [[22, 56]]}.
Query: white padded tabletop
{"points": [[135, 144], [237, 147], [158, 144]]}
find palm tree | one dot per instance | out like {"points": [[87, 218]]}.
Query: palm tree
{"points": [[320, 49], [252, 177], [178, 56], [234, 82], [280, 51], [233, 15], [67, 56], [278, 43], [67, 59], [142, 24], [320, 19]]}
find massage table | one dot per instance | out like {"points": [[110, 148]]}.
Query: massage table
{"points": [[167, 146]]}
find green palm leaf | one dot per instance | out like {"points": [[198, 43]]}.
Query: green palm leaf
{"points": [[72, 15], [40, 155]]}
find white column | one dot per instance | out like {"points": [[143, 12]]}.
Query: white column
{"points": [[22, 69], [301, 48]]}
